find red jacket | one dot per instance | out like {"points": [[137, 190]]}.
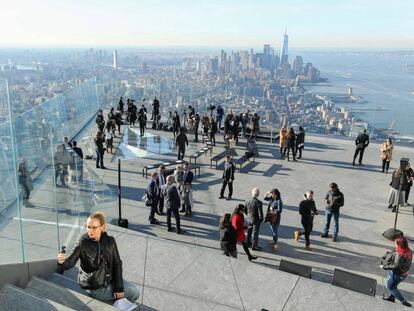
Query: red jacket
{"points": [[237, 220]]}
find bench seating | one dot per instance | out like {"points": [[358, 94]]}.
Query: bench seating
{"points": [[242, 160], [218, 157], [199, 153], [146, 168]]}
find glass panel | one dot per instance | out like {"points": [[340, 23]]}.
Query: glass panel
{"points": [[10, 234], [59, 190]]}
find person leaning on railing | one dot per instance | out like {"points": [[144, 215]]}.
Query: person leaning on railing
{"points": [[100, 271]]}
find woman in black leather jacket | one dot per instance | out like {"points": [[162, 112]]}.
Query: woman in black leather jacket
{"points": [[100, 271]]}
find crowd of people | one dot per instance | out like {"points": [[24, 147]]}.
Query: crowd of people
{"points": [[170, 192]]}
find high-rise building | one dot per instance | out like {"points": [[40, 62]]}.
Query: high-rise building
{"points": [[198, 67], [115, 59], [223, 58], [212, 65], [297, 65], [284, 51], [267, 56], [251, 59]]}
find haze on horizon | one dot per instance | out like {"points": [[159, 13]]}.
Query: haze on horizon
{"points": [[212, 23]]}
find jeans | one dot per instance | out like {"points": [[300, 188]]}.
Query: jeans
{"points": [[99, 158], [393, 280], [131, 292], [328, 216], [275, 231]]}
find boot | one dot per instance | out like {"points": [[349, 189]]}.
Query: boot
{"points": [[407, 304], [251, 257], [296, 235], [390, 298], [308, 248]]}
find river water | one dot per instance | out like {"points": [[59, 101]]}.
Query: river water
{"points": [[383, 79]]}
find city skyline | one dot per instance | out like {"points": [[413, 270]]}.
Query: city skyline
{"points": [[126, 23]]}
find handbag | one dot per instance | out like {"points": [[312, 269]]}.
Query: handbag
{"points": [[96, 279], [146, 199], [272, 217]]}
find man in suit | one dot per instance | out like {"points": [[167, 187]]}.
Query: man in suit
{"points": [[161, 181], [181, 141], [254, 208], [361, 143], [187, 191], [228, 177], [153, 195], [171, 197]]}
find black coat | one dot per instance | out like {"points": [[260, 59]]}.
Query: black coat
{"points": [[300, 139], [228, 238], [176, 121], [181, 140], [307, 209], [336, 200], [93, 253], [229, 172], [362, 141]]}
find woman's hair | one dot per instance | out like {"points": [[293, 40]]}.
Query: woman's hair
{"points": [[100, 216], [401, 247], [276, 192], [238, 208], [389, 139], [225, 219]]}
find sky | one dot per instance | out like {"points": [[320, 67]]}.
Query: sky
{"points": [[211, 23]]}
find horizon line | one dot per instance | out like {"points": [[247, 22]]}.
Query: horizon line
{"points": [[110, 46]]}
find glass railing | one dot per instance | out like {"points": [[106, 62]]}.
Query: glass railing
{"points": [[46, 189]]}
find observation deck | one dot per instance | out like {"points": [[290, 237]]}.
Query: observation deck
{"points": [[188, 272]]}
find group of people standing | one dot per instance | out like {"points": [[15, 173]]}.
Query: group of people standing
{"points": [[289, 142], [232, 226], [172, 190]]}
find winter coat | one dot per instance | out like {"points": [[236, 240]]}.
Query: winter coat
{"points": [[336, 200], [307, 209], [400, 265], [237, 221], [283, 138], [92, 254], [228, 238], [386, 151]]}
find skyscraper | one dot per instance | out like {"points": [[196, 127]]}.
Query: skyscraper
{"points": [[297, 65], [223, 57], [284, 50], [115, 59], [266, 59]]}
